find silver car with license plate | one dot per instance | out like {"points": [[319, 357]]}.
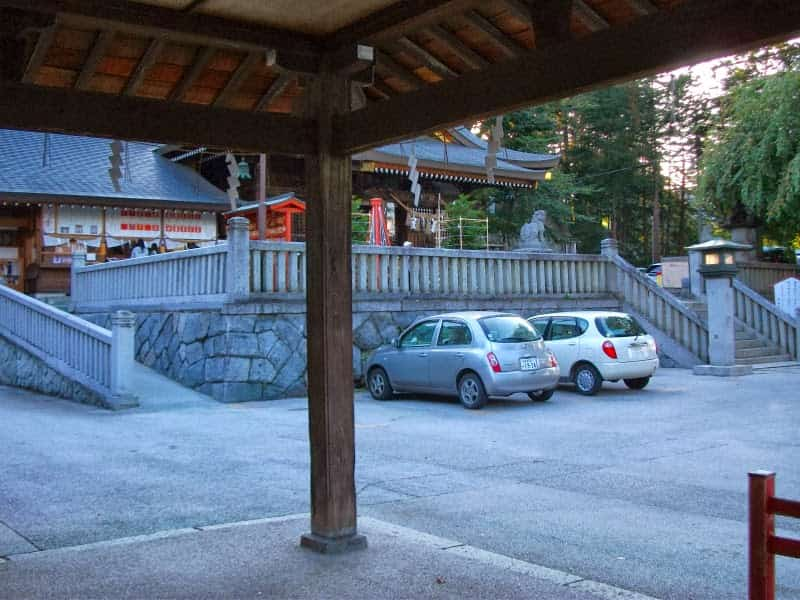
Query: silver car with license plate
{"points": [[473, 355]]}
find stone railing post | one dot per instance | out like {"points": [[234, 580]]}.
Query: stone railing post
{"points": [[237, 285], [78, 261], [123, 330], [695, 278], [609, 247]]}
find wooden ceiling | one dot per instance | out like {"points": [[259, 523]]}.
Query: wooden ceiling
{"points": [[205, 60]]}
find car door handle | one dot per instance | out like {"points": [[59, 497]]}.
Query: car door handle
{"points": [[572, 344], [423, 354], [459, 355]]}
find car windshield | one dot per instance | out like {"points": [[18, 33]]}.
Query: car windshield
{"points": [[618, 326], [508, 329]]}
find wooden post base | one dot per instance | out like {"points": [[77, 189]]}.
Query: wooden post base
{"points": [[338, 545]]}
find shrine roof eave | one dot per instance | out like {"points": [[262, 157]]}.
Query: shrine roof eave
{"points": [[38, 199]]}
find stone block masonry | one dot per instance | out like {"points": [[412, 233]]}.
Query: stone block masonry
{"points": [[257, 351], [19, 368]]}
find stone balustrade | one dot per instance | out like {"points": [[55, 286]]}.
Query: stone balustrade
{"points": [[242, 270], [65, 354], [662, 309], [197, 274], [761, 277], [770, 323]]}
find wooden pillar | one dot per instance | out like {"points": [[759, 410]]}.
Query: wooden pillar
{"points": [[329, 326]]}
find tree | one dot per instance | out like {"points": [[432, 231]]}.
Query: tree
{"points": [[751, 168]]}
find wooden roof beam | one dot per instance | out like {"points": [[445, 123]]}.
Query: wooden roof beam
{"points": [[426, 58], [36, 60], [201, 60], [398, 19], [238, 77], [590, 18], [298, 51], [145, 63], [457, 47], [387, 63], [508, 45], [691, 32], [275, 89], [642, 7], [122, 117], [96, 54]]}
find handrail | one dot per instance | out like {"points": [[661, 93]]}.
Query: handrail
{"points": [[766, 319]]}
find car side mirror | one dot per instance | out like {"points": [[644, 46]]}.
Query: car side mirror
{"points": [[396, 342]]}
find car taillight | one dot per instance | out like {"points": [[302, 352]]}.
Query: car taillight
{"points": [[609, 350], [551, 359], [493, 362]]}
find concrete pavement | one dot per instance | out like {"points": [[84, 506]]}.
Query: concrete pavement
{"points": [[640, 491]]}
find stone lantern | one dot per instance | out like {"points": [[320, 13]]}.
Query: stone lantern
{"points": [[717, 267]]}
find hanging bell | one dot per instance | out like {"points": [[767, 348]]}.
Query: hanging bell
{"points": [[244, 170]]}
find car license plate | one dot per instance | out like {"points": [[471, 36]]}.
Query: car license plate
{"points": [[528, 364]]}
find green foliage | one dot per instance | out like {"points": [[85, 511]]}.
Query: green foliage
{"points": [[465, 225], [752, 168], [359, 222]]}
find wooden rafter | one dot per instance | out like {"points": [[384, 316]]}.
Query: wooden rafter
{"points": [[396, 70], [694, 31], [199, 65], [426, 58], [275, 89], [193, 5], [457, 47], [477, 21], [96, 54], [298, 50], [122, 117], [588, 16], [399, 19], [145, 63], [238, 77], [642, 7], [43, 43], [383, 89]]}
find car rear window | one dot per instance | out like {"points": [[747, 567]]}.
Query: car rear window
{"points": [[618, 326], [508, 329]]}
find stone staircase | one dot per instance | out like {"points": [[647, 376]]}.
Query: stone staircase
{"points": [[750, 349]]}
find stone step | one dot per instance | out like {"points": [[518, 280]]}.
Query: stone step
{"points": [[756, 352], [745, 335], [749, 343], [773, 358]]}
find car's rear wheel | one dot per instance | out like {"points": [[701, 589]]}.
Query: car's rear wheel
{"points": [[471, 392], [541, 395], [638, 383], [587, 380], [378, 384]]}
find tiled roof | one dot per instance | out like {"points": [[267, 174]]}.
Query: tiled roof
{"points": [[505, 153], [38, 164]]}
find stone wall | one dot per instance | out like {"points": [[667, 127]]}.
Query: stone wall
{"points": [[20, 368], [256, 351]]}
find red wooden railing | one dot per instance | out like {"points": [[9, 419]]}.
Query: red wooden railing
{"points": [[764, 544]]}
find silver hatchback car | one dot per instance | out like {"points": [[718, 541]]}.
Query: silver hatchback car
{"points": [[472, 354]]}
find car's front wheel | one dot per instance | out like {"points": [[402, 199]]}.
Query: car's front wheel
{"points": [[541, 395], [379, 386], [587, 380], [638, 383], [471, 392]]}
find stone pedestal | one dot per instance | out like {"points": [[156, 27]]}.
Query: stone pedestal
{"points": [[721, 329], [748, 236], [695, 278]]}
